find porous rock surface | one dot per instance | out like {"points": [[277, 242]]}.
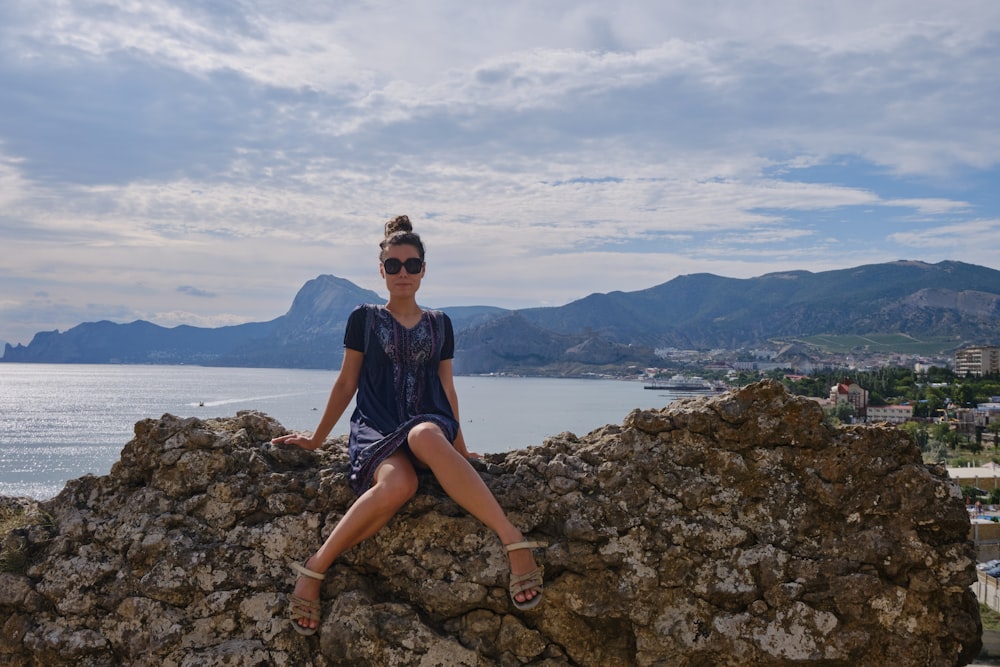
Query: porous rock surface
{"points": [[736, 529]]}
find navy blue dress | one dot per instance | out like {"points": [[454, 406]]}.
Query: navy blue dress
{"points": [[398, 387]]}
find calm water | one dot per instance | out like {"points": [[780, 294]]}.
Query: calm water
{"points": [[59, 422]]}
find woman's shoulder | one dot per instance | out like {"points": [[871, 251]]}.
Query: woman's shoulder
{"points": [[368, 307], [440, 322], [362, 313], [436, 314]]}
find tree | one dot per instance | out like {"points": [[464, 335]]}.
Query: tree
{"points": [[844, 412], [975, 445], [964, 394], [936, 400], [994, 428], [940, 431], [970, 492], [918, 433]]}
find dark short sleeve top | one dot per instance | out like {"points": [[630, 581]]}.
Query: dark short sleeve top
{"points": [[398, 386]]}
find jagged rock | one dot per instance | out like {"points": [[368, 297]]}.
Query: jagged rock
{"points": [[736, 529]]}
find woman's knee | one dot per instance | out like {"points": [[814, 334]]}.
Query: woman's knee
{"points": [[396, 493], [393, 494], [395, 483], [426, 439]]}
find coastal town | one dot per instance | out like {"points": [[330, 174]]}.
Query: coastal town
{"points": [[961, 390]]}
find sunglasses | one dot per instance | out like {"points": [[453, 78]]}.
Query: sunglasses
{"points": [[413, 265]]}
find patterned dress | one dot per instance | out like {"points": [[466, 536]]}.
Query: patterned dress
{"points": [[399, 385]]}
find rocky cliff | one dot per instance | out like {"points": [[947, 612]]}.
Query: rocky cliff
{"points": [[736, 529]]}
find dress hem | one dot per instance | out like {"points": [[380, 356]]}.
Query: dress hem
{"points": [[363, 469]]}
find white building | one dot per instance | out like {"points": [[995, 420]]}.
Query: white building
{"points": [[980, 360], [893, 414]]}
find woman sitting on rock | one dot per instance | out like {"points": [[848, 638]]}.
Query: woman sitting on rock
{"points": [[398, 359]]}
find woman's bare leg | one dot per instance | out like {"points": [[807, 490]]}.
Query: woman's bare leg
{"points": [[394, 484], [464, 485]]}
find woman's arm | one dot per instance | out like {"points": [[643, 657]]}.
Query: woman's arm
{"points": [[341, 395], [448, 383]]}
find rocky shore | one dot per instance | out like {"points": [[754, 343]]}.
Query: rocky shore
{"points": [[736, 529]]}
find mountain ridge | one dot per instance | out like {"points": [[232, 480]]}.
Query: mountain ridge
{"points": [[701, 311]]}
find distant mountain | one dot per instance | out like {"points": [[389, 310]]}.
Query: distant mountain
{"points": [[511, 343], [708, 311], [311, 333], [703, 311], [137, 342]]}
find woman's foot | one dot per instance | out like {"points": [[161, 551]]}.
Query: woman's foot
{"points": [[525, 574], [303, 603]]}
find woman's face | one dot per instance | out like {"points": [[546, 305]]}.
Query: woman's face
{"points": [[403, 282]]}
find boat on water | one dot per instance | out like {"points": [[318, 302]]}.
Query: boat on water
{"points": [[684, 383]]}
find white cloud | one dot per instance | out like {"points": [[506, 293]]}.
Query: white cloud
{"points": [[242, 148], [931, 206], [980, 233]]}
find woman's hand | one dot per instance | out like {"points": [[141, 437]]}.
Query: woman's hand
{"points": [[296, 439], [462, 449]]}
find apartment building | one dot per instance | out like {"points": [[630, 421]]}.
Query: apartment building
{"points": [[892, 414], [979, 360], [853, 393], [985, 414]]}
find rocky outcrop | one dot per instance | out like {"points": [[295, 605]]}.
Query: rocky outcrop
{"points": [[736, 529]]}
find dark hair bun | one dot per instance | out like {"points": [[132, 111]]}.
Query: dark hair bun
{"points": [[400, 223]]}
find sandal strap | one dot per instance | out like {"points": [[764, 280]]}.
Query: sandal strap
{"points": [[525, 545], [302, 608], [306, 572], [526, 582]]}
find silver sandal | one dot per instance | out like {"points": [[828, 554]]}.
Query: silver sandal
{"points": [[529, 581], [302, 609]]}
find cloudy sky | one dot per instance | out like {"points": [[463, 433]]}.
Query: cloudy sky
{"points": [[196, 162]]}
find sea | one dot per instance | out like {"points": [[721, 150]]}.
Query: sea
{"points": [[61, 421]]}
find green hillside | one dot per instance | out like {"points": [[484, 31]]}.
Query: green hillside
{"points": [[882, 342]]}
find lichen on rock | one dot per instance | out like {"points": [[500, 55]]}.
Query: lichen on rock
{"points": [[736, 529]]}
